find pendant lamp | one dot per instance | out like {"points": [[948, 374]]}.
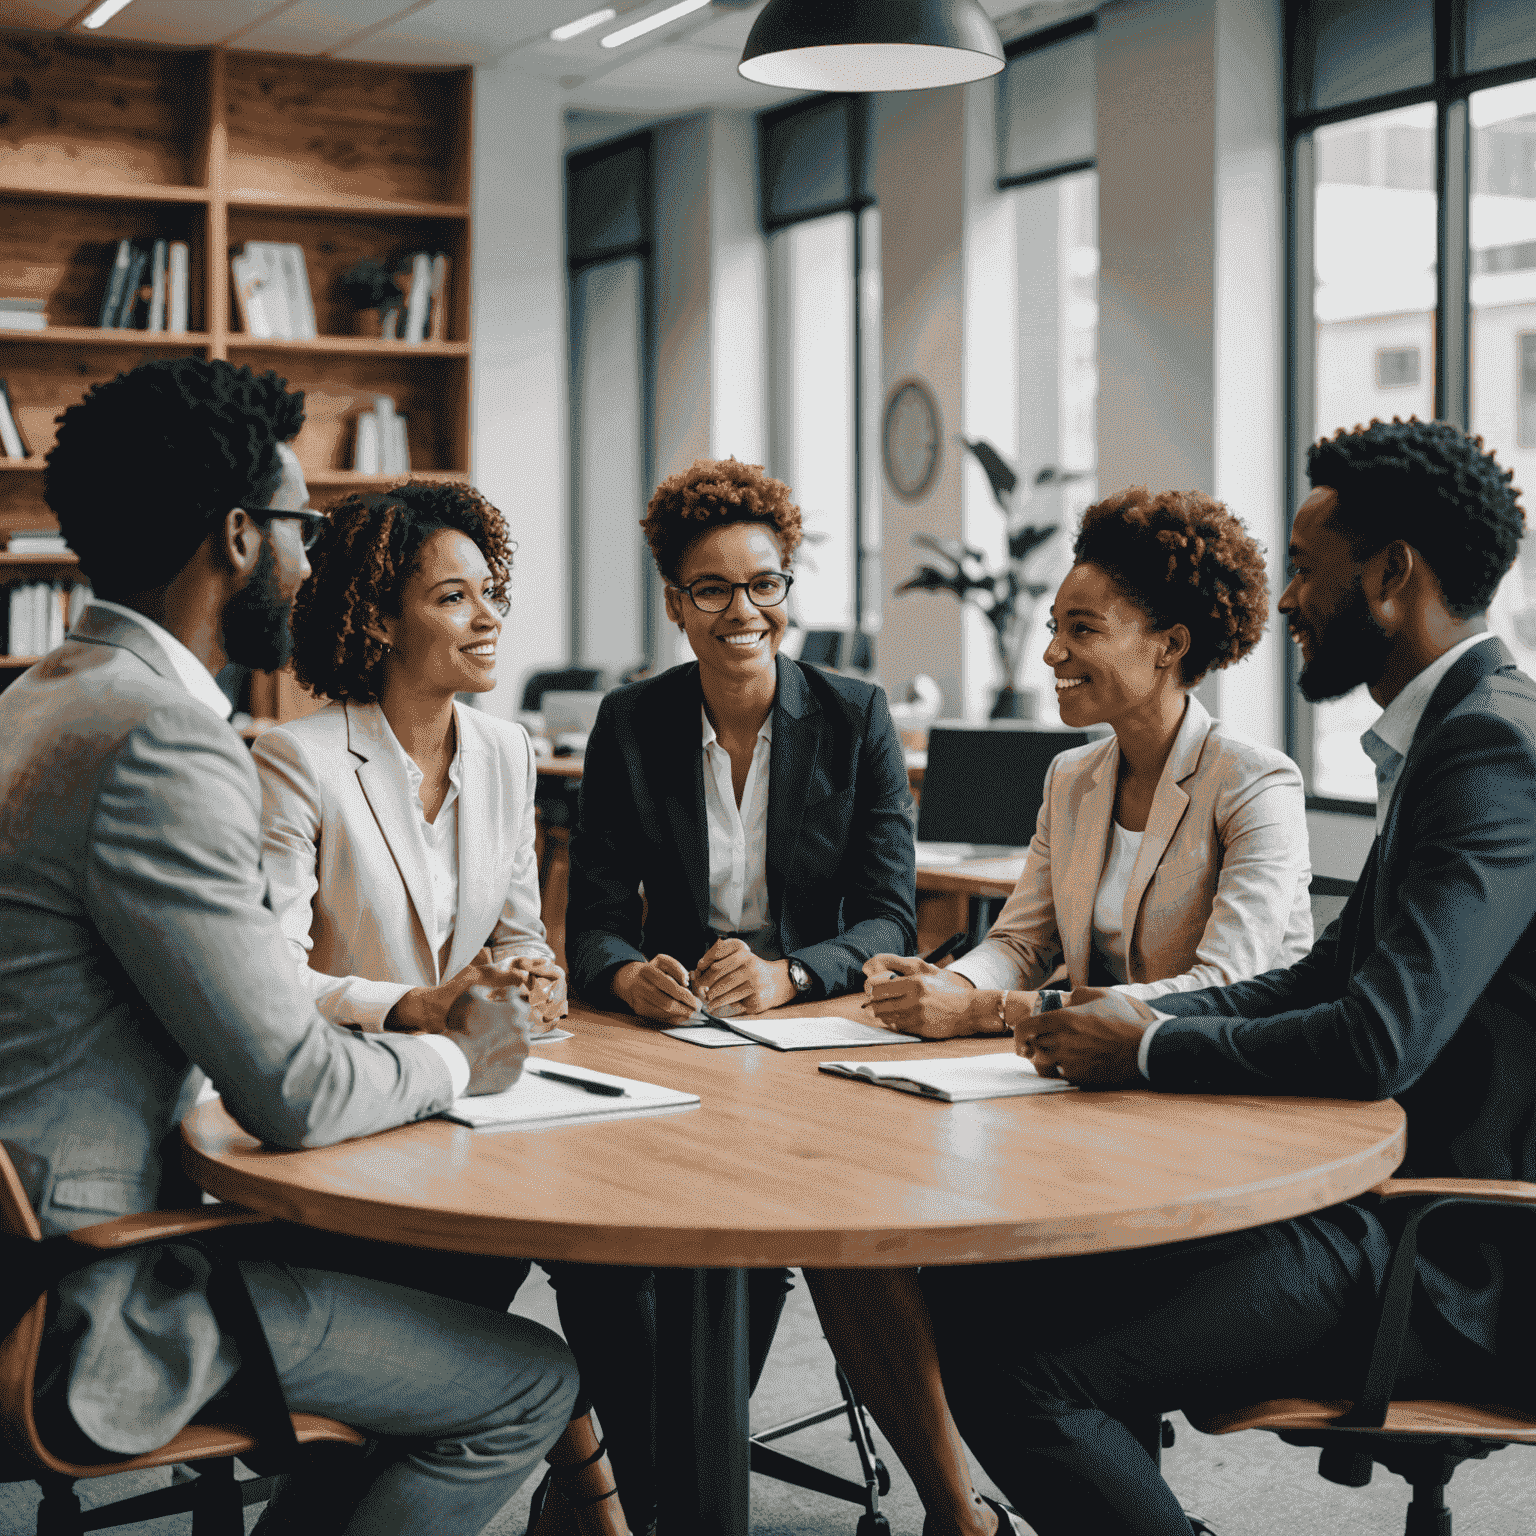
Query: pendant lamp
{"points": [[871, 45]]}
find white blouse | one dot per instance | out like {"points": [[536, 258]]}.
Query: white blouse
{"points": [[1109, 904], [738, 841], [442, 840]]}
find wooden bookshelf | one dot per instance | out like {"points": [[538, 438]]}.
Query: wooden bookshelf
{"points": [[106, 141]]}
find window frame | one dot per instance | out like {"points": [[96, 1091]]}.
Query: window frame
{"points": [[1449, 92]]}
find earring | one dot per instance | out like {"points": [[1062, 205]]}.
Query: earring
{"points": [[1387, 609]]}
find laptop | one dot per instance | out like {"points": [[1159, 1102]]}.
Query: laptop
{"points": [[983, 787], [569, 717]]}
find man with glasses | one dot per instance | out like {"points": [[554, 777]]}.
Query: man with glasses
{"points": [[137, 953]]}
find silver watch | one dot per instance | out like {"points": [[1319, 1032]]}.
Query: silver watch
{"points": [[800, 976]]}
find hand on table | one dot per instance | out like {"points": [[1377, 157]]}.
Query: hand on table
{"points": [[1093, 1043], [424, 1010], [489, 1022], [543, 983], [915, 998], [732, 980], [655, 989]]}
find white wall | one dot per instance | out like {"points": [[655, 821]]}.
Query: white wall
{"points": [[519, 441]]}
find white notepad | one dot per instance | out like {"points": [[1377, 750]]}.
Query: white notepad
{"points": [[792, 1032], [534, 1100], [954, 1079]]}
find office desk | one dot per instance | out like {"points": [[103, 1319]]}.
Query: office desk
{"points": [[783, 1165], [560, 767], [983, 881]]}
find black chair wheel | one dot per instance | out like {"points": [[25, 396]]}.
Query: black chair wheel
{"points": [[873, 1525], [882, 1477]]}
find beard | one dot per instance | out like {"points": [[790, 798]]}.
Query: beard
{"points": [[256, 632], [1350, 649]]}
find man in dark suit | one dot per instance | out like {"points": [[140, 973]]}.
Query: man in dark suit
{"points": [[1422, 989]]}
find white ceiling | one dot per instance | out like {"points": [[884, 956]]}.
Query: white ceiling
{"points": [[685, 66]]}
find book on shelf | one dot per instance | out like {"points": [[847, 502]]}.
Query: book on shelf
{"points": [[366, 457], [117, 284], [394, 450], [36, 541], [11, 439], [22, 315], [437, 328], [419, 298], [157, 259], [40, 613], [178, 263], [135, 293], [272, 291]]}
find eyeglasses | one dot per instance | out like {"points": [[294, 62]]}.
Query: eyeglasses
{"points": [[313, 521], [711, 595]]}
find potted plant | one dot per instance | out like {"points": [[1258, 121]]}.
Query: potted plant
{"points": [[1008, 597]]}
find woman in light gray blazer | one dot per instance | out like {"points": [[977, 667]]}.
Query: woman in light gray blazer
{"points": [[1167, 857], [398, 832]]}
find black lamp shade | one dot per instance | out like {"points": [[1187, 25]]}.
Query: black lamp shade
{"points": [[871, 45]]}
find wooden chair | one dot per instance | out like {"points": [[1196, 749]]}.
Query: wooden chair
{"points": [[214, 1497], [1422, 1440]]}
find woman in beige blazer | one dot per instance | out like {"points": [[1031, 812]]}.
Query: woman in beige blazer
{"points": [[1167, 857], [398, 845]]}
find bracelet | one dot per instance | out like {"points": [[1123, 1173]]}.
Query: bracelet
{"points": [[1002, 1013], [1051, 1000]]}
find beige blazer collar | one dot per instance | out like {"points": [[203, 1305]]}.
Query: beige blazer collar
{"points": [[387, 788], [1090, 837]]}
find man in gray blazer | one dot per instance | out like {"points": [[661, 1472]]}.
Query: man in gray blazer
{"points": [[137, 953]]}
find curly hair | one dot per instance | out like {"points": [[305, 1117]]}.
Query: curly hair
{"points": [[367, 551], [146, 463], [1433, 486], [1182, 558], [713, 494]]}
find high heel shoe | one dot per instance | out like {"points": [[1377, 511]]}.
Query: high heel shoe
{"points": [[559, 1508]]}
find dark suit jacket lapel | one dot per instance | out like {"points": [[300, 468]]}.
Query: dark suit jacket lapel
{"points": [[677, 780], [797, 726]]}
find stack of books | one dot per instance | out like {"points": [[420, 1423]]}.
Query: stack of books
{"points": [[36, 541], [381, 447], [148, 287], [40, 614], [22, 315], [272, 291], [12, 444]]}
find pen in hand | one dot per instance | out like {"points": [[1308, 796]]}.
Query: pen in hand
{"points": [[948, 947], [607, 1090]]}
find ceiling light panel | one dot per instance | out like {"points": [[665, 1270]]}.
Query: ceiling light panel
{"points": [[176, 22], [657, 19], [582, 24]]}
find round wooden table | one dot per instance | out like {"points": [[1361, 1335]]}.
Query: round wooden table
{"points": [[785, 1165]]}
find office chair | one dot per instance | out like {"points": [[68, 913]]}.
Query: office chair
{"points": [[215, 1498], [1423, 1441], [788, 1469]]}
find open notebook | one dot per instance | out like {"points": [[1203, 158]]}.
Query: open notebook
{"points": [[534, 1100], [790, 1032], [954, 1079]]}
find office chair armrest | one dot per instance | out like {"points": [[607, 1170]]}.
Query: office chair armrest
{"points": [[162, 1226], [1370, 1410], [1499, 1191]]}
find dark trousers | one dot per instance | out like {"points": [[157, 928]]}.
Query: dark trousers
{"points": [[608, 1316], [1058, 1371]]}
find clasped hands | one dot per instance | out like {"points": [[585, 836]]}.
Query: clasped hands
{"points": [[426, 1010], [1093, 1041], [729, 978]]}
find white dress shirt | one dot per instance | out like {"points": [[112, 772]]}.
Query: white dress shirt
{"points": [[199, 682], [1386, 743], [442, 840], [738, 841]]}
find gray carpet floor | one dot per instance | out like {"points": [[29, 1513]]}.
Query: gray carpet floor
{"points": [[1244, 1485]]}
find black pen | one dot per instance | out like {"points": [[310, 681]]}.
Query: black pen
{"points": [[607, 1090], [946, 948]]}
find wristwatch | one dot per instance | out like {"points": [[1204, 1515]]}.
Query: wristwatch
{"points": [[800, 976]]}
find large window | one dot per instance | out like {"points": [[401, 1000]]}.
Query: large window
{"points": [[823, 265], [1413, 215]]}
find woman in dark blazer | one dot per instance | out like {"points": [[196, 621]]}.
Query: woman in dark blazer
{"points": [[745, 834]]}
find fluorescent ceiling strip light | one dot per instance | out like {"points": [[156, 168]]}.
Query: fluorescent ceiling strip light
{"points": [[660, 19], [104, 13], [584, 24]]}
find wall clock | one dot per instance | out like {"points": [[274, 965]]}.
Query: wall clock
{"points": [[912, 439]]}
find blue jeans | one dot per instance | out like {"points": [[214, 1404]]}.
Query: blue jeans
{"points": [[466, 1400]]}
